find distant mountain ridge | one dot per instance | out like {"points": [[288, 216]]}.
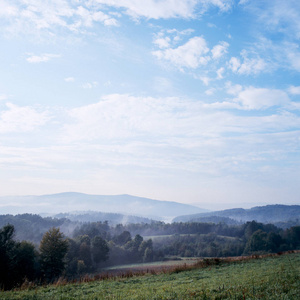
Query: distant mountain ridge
{"points": [[72, 201], [274, 214]]}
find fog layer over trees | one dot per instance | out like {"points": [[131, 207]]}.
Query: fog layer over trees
{"points": [[48, 253]]}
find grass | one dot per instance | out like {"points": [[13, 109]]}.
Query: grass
{"points": [[159, 264], [272, 277]]}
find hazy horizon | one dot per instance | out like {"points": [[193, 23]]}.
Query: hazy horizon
{"points": [[73, 202], [192, 101]]}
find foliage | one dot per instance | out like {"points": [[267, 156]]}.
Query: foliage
{"points": [[32, 227], [53, 249], [17, 260], [97, 245], [99, 249], [85, 254]]}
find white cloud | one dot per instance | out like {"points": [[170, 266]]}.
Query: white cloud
{"points": [[165, 9], [206, 80], [277, 15], [210, 92], [252, 98], [234, 64], [34, 16], [21, 119], [7, 10], [90, 85], [69, 79], [248, 65], [189, 55], [293, 55], [151, 139], [87, 17], [41, 58], [223, 5], [163, 42], [261, 98], [169, 38], [3, 97], [126, 118], [163, 85], [219, 50], [220, 73], [108, 83], [294, 90], [233, 89]]}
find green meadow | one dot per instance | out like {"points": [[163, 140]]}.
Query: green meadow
{"points": [[273, 277]]}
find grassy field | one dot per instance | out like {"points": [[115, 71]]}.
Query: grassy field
{"points": [[273, 277], [162, 237], [159, 264]]}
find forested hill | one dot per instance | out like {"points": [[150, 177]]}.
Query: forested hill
{"points": [[32, 227], [274, 214], [96, 216], [124, 204]]}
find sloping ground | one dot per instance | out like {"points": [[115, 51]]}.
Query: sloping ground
{"points": [[264, 214], [272, 277]]}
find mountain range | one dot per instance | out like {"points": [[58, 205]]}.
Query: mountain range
{"points": [[274, 214], [71, 202]]}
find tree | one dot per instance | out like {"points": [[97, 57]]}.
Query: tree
{"points": [[148, 255], [257, 242], [123, 238], [17, 259], [25, 260], [7, 245], [99, 249], [53, 248], [85, 255]]}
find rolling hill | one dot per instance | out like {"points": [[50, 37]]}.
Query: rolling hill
{"points": [[273, 214], [123, 204]]}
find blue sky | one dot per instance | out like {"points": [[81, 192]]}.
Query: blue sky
{"points": [[195, 101]]}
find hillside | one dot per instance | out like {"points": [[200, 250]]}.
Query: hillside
{"points": [[265, 214], [95, 216], [272, 277], [123, 204]]}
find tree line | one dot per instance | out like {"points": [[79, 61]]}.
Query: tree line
{"points": [[58, 255], [95, 245]]}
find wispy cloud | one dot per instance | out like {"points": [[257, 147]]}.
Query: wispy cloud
{"points": [[89, 85], [261, 98], [253, 98], [33, 17], [150, 134], [166, 8], [277, 16], [123, 116], [247, 66], [3, 97], [294, 90], [21, 119], [219, 50], [41, 58], [192, 54], [69, 79]]}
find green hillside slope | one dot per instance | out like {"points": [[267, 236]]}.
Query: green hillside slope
{"points": [[274, 277]]}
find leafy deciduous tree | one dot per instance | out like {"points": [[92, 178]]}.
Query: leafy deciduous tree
{"points": [[53, 248]]}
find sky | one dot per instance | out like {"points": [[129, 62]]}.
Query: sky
{"points": [[194, 101]]}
